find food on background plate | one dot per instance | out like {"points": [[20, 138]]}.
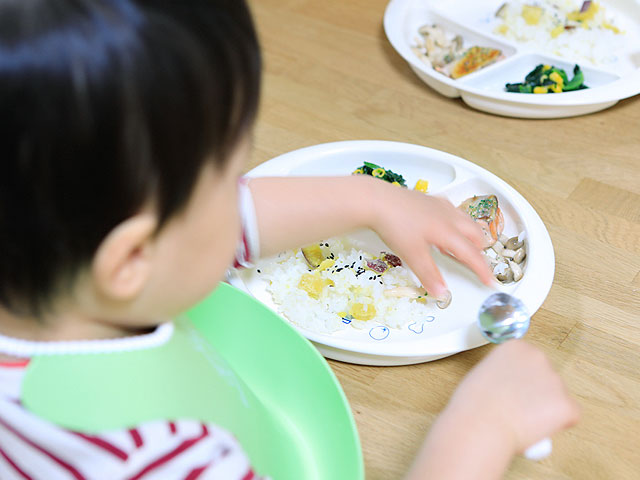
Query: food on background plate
{"points": [[505, 255], [579, 30], [446, 53], [344, 286], [548, 79]]}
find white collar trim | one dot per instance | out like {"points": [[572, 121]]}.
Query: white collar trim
{"points": [[26, 348]]}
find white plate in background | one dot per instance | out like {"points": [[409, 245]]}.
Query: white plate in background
{"points": [[450, 330], [484, 89]]}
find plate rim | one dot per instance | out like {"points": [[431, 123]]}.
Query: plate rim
{"points": [[620, 89]]}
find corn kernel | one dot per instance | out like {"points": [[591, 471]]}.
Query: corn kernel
{"points": [[422, 185], [378, 172]]}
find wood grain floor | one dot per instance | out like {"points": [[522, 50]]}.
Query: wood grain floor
{"points": [[330, 74]]}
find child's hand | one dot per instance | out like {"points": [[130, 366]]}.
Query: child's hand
{"points": [[511, 400], [411, 223], [516, 387], [296, 211]]}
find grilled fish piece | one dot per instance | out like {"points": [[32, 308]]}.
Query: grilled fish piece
{"points": [[484, 210]]}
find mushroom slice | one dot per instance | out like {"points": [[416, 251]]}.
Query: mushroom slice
{"points": [[444, 301], [514, 243], [506, 276], [520, 255], [517, 271], [503, 273]]}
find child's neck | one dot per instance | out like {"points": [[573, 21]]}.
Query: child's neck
{"points": [[65, 328]]}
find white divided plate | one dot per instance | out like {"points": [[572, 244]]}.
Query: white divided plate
{"points": [[484, 89], [444, 332]]}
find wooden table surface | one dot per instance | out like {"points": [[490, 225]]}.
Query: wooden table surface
{"points": [[330, 75]]}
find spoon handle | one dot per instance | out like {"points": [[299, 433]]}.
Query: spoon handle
{"points": [[540, 450]]}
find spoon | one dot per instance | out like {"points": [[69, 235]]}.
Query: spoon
{"points": [[502, 317]]}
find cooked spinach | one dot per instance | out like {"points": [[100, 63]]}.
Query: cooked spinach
{"points": [[548, 79], [377, 171]]}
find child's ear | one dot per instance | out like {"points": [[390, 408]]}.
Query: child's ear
{"points": [[123, 261]]}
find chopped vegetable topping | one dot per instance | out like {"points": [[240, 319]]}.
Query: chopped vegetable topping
{"points": [[548, 79], [313, 255], [391, 259], [422, 186], [531, 14], [362, 311], [313, 284], [379, 172], [377, 265], [328, 263], [586, 12]]}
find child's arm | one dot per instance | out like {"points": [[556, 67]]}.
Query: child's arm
{"points": [[292, 212], [507, 403]]}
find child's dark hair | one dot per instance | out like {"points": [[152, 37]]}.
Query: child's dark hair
{"points": [[106, 105]]}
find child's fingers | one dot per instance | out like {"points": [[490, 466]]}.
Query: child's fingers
{"points": [[427, 272], [463, 222], [470, 229], [468, 253]]}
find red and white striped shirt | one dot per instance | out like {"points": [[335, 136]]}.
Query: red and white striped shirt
{"points": [[34, 448]]}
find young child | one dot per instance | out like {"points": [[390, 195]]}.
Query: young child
{"points": [[125, 126]]}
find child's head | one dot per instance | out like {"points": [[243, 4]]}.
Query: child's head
{"points": [[118, 117]]}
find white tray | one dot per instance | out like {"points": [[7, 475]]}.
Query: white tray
{"points": [[445, 332], [484, 89]]}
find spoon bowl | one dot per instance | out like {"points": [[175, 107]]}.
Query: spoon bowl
{"points": [[503, 317]]}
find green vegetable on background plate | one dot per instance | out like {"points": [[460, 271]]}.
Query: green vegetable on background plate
{"points": [[381, 173], [548, 79]]}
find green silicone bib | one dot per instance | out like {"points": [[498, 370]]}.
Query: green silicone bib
{"points": [[232, 362]]}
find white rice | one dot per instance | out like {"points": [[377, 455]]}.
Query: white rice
{"points": [[326, 314], [593, 41]]}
